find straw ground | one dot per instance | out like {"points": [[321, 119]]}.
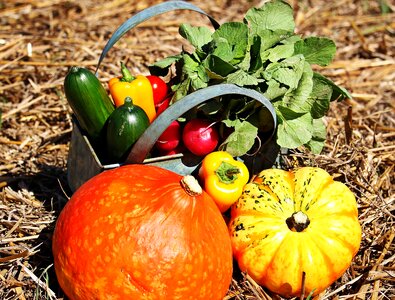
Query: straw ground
{"points": [[40, 40]]}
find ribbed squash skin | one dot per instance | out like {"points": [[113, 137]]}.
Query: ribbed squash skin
{"points": [[134, 233], [89, 101], [273, 254]]}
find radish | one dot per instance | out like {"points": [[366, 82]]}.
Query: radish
{"points": [[179, 149], [160, 107], [200, 136], [170, 138]]}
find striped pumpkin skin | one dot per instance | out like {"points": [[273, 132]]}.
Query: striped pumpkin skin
{"points": [[290, 225]]}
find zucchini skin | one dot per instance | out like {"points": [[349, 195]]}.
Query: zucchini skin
{"points": [[89, 101], [124, 127]]}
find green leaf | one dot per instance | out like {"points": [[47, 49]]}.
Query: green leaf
{"points": [[245, 63], [254, 55], [316, 50], [221, 48], [317, 142], [232, 106], [161, 67], [241, 78], [298, 99], [273, 15], [320, 97], [210, 107], [288, 72], [262, 119], [241, 140], [294, 129], [246, 108], [291, 39], [197, 36], [203, 78], [252, 60], [339, 93], [195, 71], [236, 35], [278, 52], [181, 89], [274, 90], [271, 38], [214, 77], [217, 65]]}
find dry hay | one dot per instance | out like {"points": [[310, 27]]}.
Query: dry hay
{"points": [[36, 125]]}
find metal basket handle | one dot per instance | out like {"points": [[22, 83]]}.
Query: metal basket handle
{"points": [[146, 14], [146, 142]]}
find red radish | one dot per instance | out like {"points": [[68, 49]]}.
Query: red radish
{"points": [[200, 137], [160, 107], [170, 138], [179, 149]]}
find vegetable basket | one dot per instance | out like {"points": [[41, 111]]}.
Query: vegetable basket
{"points": [[84, 163]]}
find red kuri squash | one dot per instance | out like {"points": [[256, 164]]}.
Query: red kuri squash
{"points": [[142, 232]]}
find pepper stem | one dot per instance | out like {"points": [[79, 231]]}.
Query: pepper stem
{"points": [[126, 75], [227, 173], [298, 222]]}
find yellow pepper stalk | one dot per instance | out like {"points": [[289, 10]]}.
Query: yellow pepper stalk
{"points": [[223, 177], [138, 88]]}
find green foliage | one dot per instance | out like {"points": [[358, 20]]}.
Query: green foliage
{"points": [[261, 53]]}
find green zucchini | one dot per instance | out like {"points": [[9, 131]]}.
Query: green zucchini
{"points": [[125, 125], [89, 101]]}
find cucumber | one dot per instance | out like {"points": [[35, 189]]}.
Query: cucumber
{"points": [[89, 101], [125, 125]]}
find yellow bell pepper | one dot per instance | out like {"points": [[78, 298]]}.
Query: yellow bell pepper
{"points": [[138, 88], [223, 178]]}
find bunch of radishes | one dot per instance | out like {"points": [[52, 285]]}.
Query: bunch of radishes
{"points": [[199, 136]]}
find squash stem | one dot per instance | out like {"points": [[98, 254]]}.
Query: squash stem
{"points": [[191, 185], [128, 101], [298, 222]]}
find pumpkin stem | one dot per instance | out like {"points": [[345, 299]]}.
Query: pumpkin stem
{"points": [[191, 185], [298, 222]]}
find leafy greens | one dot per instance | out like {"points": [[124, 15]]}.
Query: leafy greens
{"points": [[261, 53]]}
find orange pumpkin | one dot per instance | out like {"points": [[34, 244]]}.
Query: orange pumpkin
{"points": [[142, 232], [289, 223]]}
